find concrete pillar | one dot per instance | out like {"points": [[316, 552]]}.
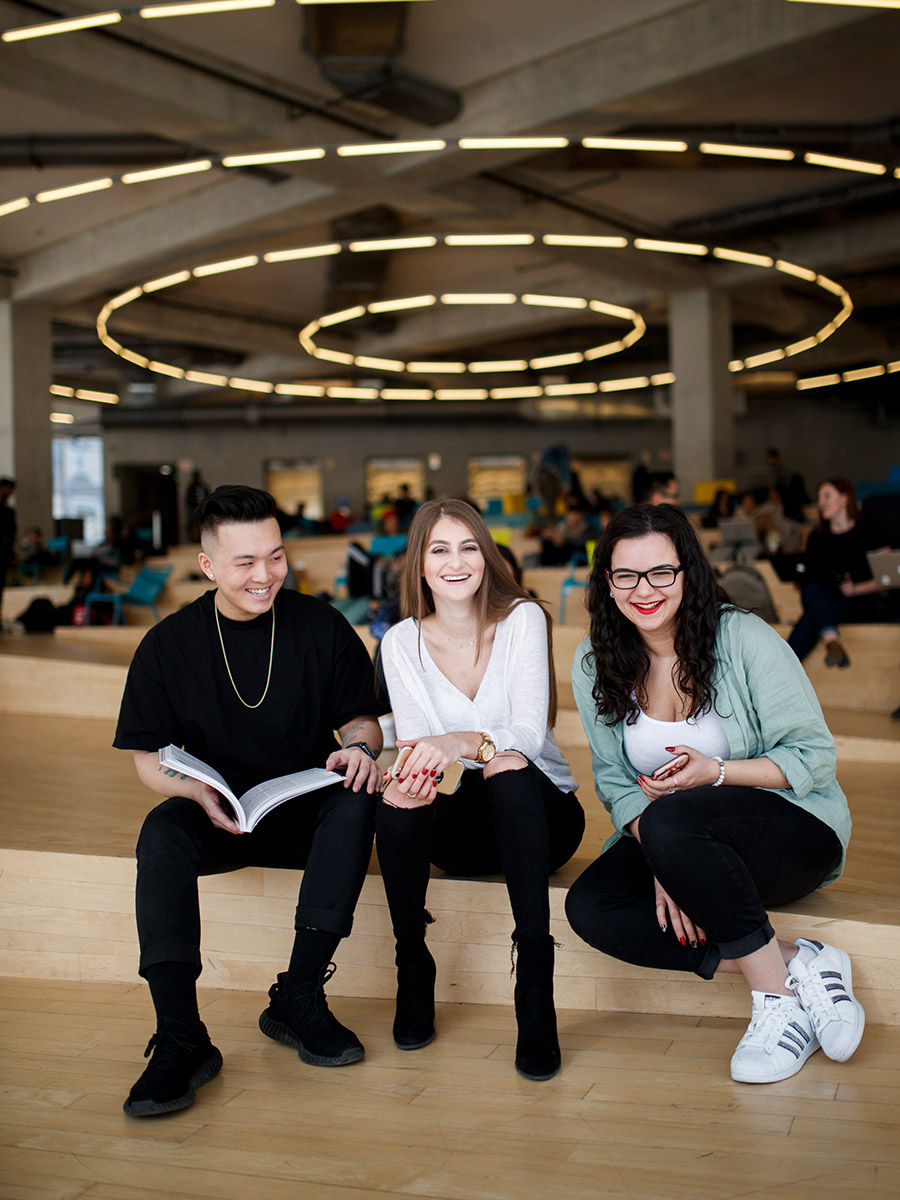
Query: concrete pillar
{"points": [[25, 431], [703, 401]]}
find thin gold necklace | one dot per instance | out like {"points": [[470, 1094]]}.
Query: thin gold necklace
{"points": [[459, 645], [228, 669]]}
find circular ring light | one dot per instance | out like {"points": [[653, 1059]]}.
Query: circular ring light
{"points": [[655, 246], [147, 12], [441, 145], [481, 366]]}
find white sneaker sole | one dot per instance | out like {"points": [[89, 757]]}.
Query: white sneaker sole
{"points": [[740, 1076]]}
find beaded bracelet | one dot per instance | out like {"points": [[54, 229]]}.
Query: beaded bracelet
{"points": [[721, 763]]}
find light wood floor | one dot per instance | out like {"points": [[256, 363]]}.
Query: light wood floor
{"points": [[644, 1108]]}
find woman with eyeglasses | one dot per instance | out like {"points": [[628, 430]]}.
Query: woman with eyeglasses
{"points": [[713, 759]]}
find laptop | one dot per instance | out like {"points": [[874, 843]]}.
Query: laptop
{"points": [[738, 531], [790, 568], [885, 567]]}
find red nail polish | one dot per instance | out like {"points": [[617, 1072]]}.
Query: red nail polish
{"points": [[703, 941], [671, 749], [433, 771], [683, 941], [414, 774], [401, 779], [639, 778]]}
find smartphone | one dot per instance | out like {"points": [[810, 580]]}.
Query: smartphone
{"points": [[396, 766], [669, 768], [447, 782]]}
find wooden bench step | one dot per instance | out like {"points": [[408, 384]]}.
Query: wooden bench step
{"points": [[70, 917]]}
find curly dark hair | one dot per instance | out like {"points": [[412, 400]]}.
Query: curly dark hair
{"points": [[620, 660]]}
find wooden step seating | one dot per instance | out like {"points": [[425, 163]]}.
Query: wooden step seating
{"points": [[35, 671], [72, 808]]}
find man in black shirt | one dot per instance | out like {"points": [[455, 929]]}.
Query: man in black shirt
{"points": [[254, 681]]}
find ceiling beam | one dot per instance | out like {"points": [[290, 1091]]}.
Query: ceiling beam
{"points": [[630, 71]]}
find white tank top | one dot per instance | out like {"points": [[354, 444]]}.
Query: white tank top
{"points": [[645, 741]]}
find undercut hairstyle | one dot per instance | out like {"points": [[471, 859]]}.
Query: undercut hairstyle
{"points": [[233, 504], [618, 657], [498, 594]]}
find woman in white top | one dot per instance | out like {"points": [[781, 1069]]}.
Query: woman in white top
{"points": [[470, 678]]}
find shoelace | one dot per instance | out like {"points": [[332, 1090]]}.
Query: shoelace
{"points": [[768, 1027], [167, 1041], [813, 993], [317, 1000]]}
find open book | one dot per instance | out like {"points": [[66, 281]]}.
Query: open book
{"points": [[250, 808]]}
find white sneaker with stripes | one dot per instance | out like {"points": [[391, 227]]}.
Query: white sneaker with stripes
{"points": [[820, 976], [778, 1041]]}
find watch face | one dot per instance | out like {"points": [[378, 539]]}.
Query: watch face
{"points": [[486, 751]]}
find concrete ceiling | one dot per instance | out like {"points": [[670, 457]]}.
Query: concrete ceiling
{"points": [[764, 72]]}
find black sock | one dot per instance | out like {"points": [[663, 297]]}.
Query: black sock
{"points": [[313, 950], [173, 987]]}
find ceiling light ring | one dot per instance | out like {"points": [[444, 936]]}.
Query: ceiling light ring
{"points": [[477, 366], [466, 145], [657, 246]]}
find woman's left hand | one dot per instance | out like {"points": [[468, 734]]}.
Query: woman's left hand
{"points": [[698, 771], [430, 757], [668, 914]]}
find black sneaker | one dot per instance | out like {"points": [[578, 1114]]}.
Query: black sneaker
{"points": [[302, 1019], [183, 1059], [836, 655]]}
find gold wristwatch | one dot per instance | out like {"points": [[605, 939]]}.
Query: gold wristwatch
{"points": [[486, 750]]}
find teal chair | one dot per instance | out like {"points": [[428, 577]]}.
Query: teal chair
{"points": [[386, 545], [143, 593], [570, 584]]}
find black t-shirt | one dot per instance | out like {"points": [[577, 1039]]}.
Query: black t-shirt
{"points": [[178, 688], [831, 556]]}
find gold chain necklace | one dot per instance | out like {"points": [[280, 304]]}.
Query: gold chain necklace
{"points": [[228, 668]]}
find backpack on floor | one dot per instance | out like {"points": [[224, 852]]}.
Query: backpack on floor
{"points": [[747, 588]]}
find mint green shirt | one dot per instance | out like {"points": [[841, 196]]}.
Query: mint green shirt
{"points": [[767, 707]]}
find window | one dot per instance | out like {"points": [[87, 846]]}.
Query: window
{"points": [[498, 482], [609, 476], [295, 483], [78, 487], [384, 477]]}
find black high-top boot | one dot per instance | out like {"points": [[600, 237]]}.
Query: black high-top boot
{"points": [[416, 972], [537, 1047]]}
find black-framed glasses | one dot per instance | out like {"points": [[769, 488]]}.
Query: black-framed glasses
{"points": [[658, 577]]}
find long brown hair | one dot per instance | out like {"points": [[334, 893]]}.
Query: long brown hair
{"points": [[845, 486], [498, 594]]}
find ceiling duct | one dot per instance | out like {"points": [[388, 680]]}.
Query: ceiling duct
{"points": [[355, 45], [89, 149]]}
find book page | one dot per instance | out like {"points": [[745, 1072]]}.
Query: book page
{"points": [[262, 798], [177, 759]]}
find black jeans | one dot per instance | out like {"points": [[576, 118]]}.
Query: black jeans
{"points": [[825, 607], [516, 823], [329, 833], [722, 854]]}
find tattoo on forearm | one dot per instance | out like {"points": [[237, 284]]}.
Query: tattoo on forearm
{"points": [[354, 733], [172, 773]]}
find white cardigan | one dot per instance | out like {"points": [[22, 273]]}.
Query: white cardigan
{"points": [[512, 701]]}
